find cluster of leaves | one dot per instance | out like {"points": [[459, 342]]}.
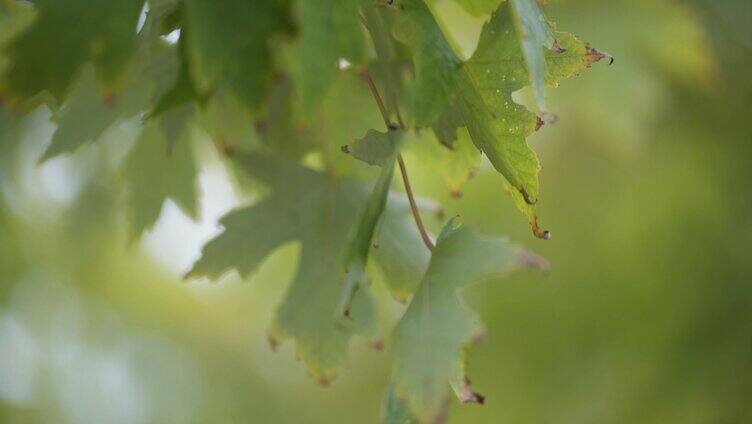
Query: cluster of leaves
{"points": [[275, 82]]}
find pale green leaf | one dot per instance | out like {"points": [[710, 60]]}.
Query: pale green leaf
{"points": [[376, 148], [380, 149], [454, 165], [89, 111], [152, 174], [395, 409], [430, 338], [330, 30], [318, 212]]}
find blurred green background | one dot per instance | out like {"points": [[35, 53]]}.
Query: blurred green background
{"points": [[644, 316]]}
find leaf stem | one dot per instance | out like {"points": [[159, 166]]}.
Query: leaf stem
{"points": [[403, 169]]}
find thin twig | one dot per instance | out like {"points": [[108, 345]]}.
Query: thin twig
{"points": [[413, 206], [403, 169]]}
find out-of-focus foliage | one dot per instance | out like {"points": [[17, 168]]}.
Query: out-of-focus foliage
{"points": [[643, 316]]}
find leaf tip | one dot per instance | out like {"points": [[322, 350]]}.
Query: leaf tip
{"points": [[466, 395]]}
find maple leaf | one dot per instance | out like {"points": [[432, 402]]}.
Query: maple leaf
{"points": [[156, 170], [228, 45], [104, 33], [429, 340], [329, 31], [321, 213], [477, 93]]}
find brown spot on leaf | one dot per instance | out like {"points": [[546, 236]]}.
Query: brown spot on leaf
{"points": [[455, 193], [557, 48], [539, 123], [323, 381], [345, 149], [593, 55]]}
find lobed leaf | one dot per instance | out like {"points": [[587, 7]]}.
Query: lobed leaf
{"points": [[228, 44], [104, 33], [156, 170], [329, 31], [477, 93], [429, 340], [319, 213]]}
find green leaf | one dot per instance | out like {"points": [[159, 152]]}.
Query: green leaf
{"points": [[153, 173], [430, 338], [89, 112], [376, 148], [395, 409], [454, 165], [436, 63], [228, 44], [391, 58], [380, 149], [228, 123], [82, 119], [330, 30], [80, 31], [283, 129], [482, 88], [318, 212]]}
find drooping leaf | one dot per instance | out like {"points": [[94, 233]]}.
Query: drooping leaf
{"points": [[482, 88], [154, 172], [320, 213], [80, 31], [228, 44], [429, 340], [380, 149], [330, 30]]}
